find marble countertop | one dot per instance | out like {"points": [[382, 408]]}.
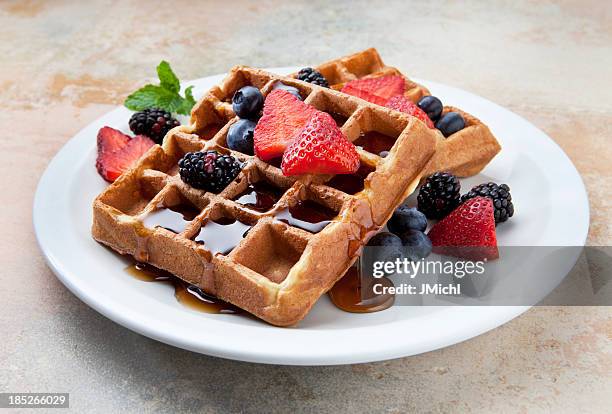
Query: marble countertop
{"points": [[65, 63]]}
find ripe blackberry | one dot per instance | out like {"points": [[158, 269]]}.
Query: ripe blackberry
{"points": [[439, 195], [154, 123], [312, 76], [208, 170], [500, 194]]}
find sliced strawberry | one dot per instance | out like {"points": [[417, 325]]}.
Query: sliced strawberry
{"points": [[111, 139], [403, 104], [321, 148], [111, 165], [284, 117], [467, 232], [376, 90]]}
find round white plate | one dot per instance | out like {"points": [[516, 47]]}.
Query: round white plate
{"points": [[551, 210]]}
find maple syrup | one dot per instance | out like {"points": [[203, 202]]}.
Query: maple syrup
{"points": [[188, 295], [307, 215], [174, 218], [339, 118], [354, 293], [374, 142], [260, 196], [222, 235], [351, 183]]}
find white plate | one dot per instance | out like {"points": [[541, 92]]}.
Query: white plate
{"points": [[551, 210]]}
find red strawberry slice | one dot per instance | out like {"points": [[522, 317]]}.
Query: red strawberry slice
{"points": [[284, 117], [321, 148], [110, 139], [403, 104], [111, 164], [467, 232], [376, 90]]}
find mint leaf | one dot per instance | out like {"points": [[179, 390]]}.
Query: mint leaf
{"points": [[167, 78], [188, 102], [164, 96]]}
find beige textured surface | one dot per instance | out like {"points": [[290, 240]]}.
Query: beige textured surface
{"points": [[65, 64]]}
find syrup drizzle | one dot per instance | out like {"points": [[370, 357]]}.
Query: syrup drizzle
{"points": [[188, 295], [354, 293], [374, 142], [260, 196], [222, 235], [351, 183], [175, 218], [307, 215]]}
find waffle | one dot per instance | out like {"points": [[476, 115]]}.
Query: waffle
{"points": [[269, 263], [464, 153]]}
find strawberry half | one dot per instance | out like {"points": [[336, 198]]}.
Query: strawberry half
{"points": [[403, 104], [321, 148], [111, 139], [467, 232], [116, 154], [376, 90], [284, 117]]}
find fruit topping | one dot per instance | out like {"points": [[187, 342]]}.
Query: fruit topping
{"points": [[403, 104], [467, 232], [376, 90], [439, 195], [292, 90], [450, 123], [240, 136], [312, 76], [110, 140], [383, 154], [416, 245], [284, 118], [499, 194], [154, 123], [388, 246], [117, 152], [247, 102], [405, 218], [432, 106], [208, 170], [321, 148]]}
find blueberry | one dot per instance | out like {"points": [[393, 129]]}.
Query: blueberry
{"points": [[405, 218], [292, 90], [387, 247], [450, 123], [383, 154], [247, 102], [240, 136], [432, 106], [416, 245]]}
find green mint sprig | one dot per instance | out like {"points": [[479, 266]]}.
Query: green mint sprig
{"points": [[164, 96]]}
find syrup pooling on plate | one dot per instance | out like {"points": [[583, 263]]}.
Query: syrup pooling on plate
{"points": [[374, 142], [307, 215], [354, 293], [188, 295], [260, 196], [175, 218], [222, 235]]}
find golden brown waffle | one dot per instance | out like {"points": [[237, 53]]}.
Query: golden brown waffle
{"points": [[464, 153], [276, 271]]}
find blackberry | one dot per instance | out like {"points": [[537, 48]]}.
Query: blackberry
{"points": [[154, 123], [439, 195], [499, 194], [312, 76], [208, 170]]}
